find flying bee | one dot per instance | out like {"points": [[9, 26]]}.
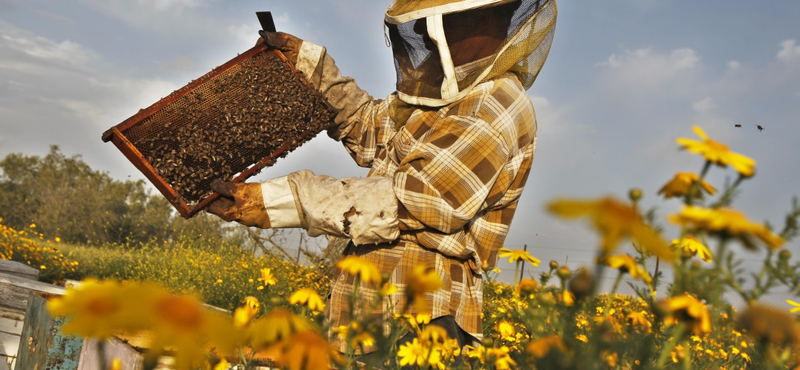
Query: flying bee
{"points": [[759, 127], [737, 125]]}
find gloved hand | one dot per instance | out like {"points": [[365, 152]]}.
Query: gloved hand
{"points": [[289, 45], [240, 202]]}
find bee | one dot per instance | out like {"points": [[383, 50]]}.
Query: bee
{"points": [[737, 125], [759, 127]]}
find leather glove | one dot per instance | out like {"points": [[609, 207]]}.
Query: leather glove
{"points": [[289, 45], [240, 202]]}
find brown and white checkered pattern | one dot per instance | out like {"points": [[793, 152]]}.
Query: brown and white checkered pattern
{"points": [[458, 173]]}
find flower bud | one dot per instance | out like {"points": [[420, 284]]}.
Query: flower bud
{"points": [[564, 272], [553, 265], [784, 254], [635, 194], [582, 284]]}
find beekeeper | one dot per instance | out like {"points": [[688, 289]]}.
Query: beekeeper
{"points": [[449, 152]]}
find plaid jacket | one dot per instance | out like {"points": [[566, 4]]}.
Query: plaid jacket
{"points": [[457, 173]]}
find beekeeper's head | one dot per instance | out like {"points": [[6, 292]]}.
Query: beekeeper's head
{"points": [[443, 48]]}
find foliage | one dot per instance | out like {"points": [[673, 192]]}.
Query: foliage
{"points": [[559, 322], [65, 198], [31, 248]]}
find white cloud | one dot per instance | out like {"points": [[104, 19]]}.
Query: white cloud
{"points": [[15, 41], [174, 19], [168, 5], [789, 53], [41, 75], [648, 70], [705, 105], [734, 65]]}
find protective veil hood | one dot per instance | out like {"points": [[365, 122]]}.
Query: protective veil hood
{"points": [[436, 66]]}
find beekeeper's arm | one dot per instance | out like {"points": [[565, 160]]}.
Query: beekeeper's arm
{"points": [[374, 209]]}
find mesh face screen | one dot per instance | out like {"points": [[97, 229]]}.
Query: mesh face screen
{"points": [[416, 58], [229, 123], [483, 43]]}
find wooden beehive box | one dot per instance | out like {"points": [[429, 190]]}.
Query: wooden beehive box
{"points": [[228, 124]]}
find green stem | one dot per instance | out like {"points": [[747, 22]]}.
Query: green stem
{"points": [[677, 333], [695, 187]]}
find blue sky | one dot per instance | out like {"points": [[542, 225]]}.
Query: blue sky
{"points": [[623, 80]]}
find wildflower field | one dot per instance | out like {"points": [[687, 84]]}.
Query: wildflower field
{"points": [[560, 320]]}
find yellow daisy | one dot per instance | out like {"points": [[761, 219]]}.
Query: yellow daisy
{"points": [[693, 246], [615, 221], [728, 221], [717, 153], [682, 183], [309, 297], [367, 271]]}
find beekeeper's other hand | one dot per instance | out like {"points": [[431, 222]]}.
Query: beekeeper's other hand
{"points": [[288, 44], [240, 202]]}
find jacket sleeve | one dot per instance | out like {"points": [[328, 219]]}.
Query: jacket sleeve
{"points": [[443, 183], [360, 120]]}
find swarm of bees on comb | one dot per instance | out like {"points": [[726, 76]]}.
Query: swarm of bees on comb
{"points": [[228, 124]]}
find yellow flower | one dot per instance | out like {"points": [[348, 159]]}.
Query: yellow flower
{"points": [[568, 297], [615, 220], [267, 277], [412, 353], [478, 352], [116, 364], [729, 221], [527, 286], [502, 360], [717, 153], [639, 320], [58, 240], [421, 280], [388, 289], [307, 350], [693, 246], [682, 183], [244, 314], [795, 304], [359, 337], [416, 321], [93, 309], [611, 358], [582, 338], [542, 346], [626, 263], [518, 254], [367, 271], [275, 326], [308, 297], [686, 308], [222, 365], [182, 323], [32, 226], [506, 331]]}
